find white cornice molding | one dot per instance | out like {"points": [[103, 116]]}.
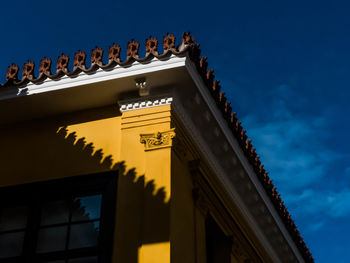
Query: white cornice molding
{"points": [[155, 65], [100, 75]]}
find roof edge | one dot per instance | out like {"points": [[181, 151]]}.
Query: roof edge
{"points": [[187, 48]]}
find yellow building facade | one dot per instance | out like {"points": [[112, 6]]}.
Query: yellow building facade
{"points": [[148, 138]]}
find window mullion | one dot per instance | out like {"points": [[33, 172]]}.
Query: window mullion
{"points": [[68, 229], [31, 233]]}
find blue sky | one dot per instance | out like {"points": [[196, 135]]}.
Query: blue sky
{"points": [[284, 65]]}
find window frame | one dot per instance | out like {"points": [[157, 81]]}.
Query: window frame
{"points": [[34, 194]]}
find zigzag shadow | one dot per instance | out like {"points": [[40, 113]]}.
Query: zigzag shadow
{"points": [[143, 215]]}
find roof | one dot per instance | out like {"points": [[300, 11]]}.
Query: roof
{"points": [[187, 47]]}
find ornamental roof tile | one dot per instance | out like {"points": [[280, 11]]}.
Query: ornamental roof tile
{"points": [[187, 46]]}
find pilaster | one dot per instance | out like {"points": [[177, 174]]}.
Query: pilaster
{"points": [[146, 140]]}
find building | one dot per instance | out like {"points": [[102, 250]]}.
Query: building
{"points": [[132, 161]]}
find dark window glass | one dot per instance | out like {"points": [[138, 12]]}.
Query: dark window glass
{"points": [[13, 221], [58, 221], [13, 218], [83, 235], [52, 239], [55, 212], [11, 244]]}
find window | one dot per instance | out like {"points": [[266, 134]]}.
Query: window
{"points": [[218, 245], [60, 221]]}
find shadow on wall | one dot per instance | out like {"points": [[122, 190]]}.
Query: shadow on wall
{"points": [[143, 216], [38, 150]]}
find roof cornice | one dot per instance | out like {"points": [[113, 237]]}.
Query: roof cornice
{"points": [[188, 48]]}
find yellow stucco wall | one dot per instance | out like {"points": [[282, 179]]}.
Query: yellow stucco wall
{"points": [[148, 228]]}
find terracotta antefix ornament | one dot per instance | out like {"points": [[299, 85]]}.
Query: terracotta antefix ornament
{"points": [[168, 42], [114, 53], [28, 70], [210, 76], [62, 63], [248, 145], [133, 49], [244, 138], [228, 107], [12, 73], [216, 87], [203, 64], [45, 66], [164, 139], [79, 59], [151, 46], [187, 40], [195, 52], [96, 55]]}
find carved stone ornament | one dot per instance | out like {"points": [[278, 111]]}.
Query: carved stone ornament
{"points": [[153, 141]]}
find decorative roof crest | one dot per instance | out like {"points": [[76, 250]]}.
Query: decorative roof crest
{"points": [[114, 53], [133, 49], [12, 73], [168, 42], [45, 66], [62, 63], [79, 59], [96, 56], [28, 70], [151, 46]]}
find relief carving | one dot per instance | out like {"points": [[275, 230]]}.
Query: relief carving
{"points": [[153, 141]]}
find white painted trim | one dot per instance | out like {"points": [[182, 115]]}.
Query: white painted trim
{"points": [[144, 104], [82, 78], [247, 166]]}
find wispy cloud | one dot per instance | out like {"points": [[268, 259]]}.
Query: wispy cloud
{"points": [[325, 203], [298, 161], [316, 226], [291, 152]]}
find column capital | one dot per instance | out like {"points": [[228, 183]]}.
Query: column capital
{"points": [[157, 140]]}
